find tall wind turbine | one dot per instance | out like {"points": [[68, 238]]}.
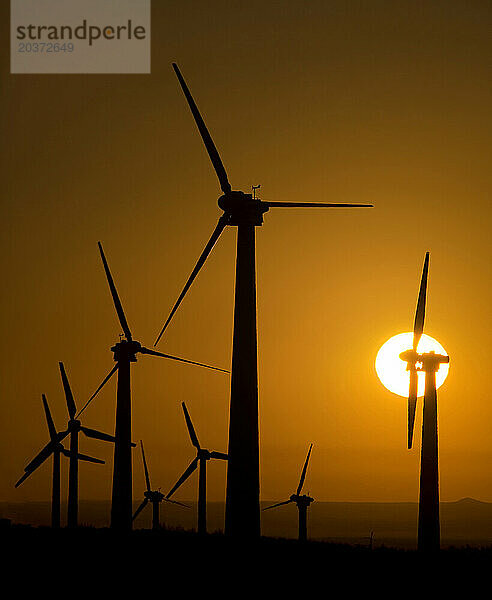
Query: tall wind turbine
{"points": [[429, 525], [202, 456], [53, 447], [246, 213], [74, 427], [125, 352], [155, 497], [302, 502]]}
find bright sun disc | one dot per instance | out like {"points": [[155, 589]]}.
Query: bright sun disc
{"points": [[392, 371]]}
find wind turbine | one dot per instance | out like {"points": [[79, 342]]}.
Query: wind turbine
{"points": [[155, 497], [125, 352], [53, 447], [74, 427], [202, 456], [302, 502], [429, 525], [246, 213]]}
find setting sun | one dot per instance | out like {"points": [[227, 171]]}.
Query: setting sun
{"points": [[392, 371]]}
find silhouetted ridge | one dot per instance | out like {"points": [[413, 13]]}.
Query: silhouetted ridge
{"points": [[468, 500]]}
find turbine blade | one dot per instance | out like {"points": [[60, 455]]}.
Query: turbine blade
{"points": [[39, 459], [412, 404], [184, 360], [176, 502], [23, 478], [147, 478], [418, 326], [225, 186], [86, 458], [105, 380], [72, 409], [140, 509], [98, 435], [315, 205], [49, 420], [83, 457], [192, 466], [219, 455], [279, 504], [114, 293], [304, 469], [191, 429], [203, 257], [61, 435]]}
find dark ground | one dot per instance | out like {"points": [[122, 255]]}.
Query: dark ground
{"points": [[145, 561]]}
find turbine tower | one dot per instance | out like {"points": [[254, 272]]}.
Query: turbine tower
{"points": [[302, 502], [53, 447], [125, 352], [246, 213], [202, 456], [154, 497], [429, 525], [74, 427]]}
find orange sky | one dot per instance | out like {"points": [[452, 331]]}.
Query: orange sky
{"points": [[376, 102]]}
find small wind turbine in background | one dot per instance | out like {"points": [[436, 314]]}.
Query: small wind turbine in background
{"points": [[429, 523], [302, 502], [244, 211], [74, 427], [125, 352], [202, 456], [53, 447], [154, 497]]}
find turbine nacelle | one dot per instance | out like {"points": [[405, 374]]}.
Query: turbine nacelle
{"points": [[242, 208], [155, 496], [303, 500], [430, 360], [126, 350]]}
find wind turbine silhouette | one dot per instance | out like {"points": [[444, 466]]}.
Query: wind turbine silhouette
{"points": [[155, 497], [53, 447], [429, 524], [74, 427], [202, 456], [125, 352], [302, 502], [246, 213]]}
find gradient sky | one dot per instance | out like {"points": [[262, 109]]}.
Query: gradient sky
{"points": [[382, 102]]}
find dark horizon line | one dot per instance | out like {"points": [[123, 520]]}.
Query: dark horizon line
{"points": [[461, 500]]}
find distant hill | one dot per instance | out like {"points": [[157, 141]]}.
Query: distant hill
{"points": [[464, 522], [468, 500]]}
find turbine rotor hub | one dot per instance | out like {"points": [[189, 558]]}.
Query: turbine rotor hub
{"points": [[410, 357]]}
